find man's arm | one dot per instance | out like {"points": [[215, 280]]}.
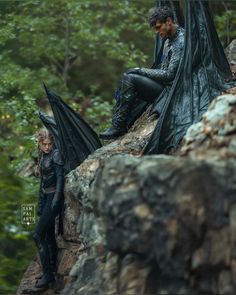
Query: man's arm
{"points": [[168, 74]]}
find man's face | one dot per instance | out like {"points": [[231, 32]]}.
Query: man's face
{"points": [[164, 28], [46, 146]]}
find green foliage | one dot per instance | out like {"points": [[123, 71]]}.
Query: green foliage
{"points": [[226, 24], [15, 238], [79, 49]]}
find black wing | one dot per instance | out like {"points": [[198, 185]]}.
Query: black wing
{"points": [[77, 140], [201, 76]]}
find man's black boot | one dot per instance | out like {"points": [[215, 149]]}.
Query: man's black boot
{"points": [[122, 109], [112, 133]]}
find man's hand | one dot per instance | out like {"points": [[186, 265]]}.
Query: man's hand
{"points": [[133, 71]]}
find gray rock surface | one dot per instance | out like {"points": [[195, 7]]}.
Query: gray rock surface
{"points": [[164, 224], [156, 224], [167, 228], [83, 234], [231, 52], [214, 137]]}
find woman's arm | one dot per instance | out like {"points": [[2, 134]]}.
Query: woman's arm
{"points": [[59, 171], [40, 200]]}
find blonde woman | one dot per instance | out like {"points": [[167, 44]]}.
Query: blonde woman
{"points": [[50, 195]]}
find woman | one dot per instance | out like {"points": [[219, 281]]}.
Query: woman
{"points": [[50, 195]]}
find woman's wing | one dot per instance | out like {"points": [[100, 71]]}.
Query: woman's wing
{"points": [[76, 139]]}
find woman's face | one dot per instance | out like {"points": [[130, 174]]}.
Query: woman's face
{"points": [[46, 146]]}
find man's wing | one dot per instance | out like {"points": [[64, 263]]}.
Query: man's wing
{"points": [[201, 76]]}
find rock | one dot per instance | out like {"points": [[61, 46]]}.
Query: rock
{"points": [[225, 285], [231, 52], [133, 275], [111, 273], [155, 224], [153, 213], [215, 135], [67, 257], [27, 285], [83, 232]]}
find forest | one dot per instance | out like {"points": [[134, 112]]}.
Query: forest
{"points": [[79, 48]]}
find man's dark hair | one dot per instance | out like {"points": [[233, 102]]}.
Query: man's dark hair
{"points": [[160, 14]]}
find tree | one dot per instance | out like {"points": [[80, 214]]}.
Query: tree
{"points": [[78, 49]]}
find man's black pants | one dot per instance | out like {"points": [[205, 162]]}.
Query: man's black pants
{"points": [[146, 88]]}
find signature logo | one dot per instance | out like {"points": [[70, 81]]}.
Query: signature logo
{"points": [[28, 214]]}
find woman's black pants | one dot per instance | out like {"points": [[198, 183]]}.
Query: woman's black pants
{"points": [[44, 236]]}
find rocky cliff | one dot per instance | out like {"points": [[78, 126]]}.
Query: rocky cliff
{"points": [[162, 224], [81, 231]]}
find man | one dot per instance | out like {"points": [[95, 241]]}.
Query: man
{"points": [[147, 84]]}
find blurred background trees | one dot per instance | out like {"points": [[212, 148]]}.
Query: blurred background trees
{"points": [[79, 49]]}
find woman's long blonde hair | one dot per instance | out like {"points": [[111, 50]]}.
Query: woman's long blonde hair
{"points": [[41, 136]]}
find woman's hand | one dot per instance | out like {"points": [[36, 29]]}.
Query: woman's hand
{"points": [[39, 213], [55, 206]]}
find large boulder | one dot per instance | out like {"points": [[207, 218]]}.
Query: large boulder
{"points": [[162, 224]]}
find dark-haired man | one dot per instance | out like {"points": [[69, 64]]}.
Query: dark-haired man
{"points": [[147, 84]]}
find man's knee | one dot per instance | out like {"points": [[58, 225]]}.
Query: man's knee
{"points": [[129, 77], [125, 75]]}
